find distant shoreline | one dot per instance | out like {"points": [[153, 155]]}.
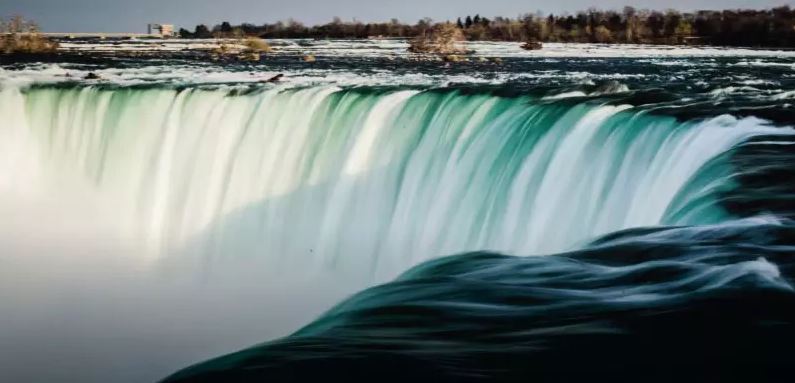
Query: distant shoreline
{"points": [[767, 28]]}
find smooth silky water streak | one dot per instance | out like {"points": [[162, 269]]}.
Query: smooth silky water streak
{"points": [[371, 179]]}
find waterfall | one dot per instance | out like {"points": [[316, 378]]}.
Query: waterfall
{"points": [[373, 178]]}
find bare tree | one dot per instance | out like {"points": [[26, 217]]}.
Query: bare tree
{"points": [[443, 38], [18, 35]]}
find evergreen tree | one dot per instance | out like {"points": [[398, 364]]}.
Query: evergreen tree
{"points": [[202, 32]]}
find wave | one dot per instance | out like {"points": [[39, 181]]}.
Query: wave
{"points": [[606, 88], [692, 304]]}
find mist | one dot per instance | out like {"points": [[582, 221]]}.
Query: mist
{"points": [[81, 303]]}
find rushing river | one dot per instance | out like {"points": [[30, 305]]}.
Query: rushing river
{"points": [[174, 210]]}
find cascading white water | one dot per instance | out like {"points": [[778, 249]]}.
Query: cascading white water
{"points": [[369, 179]]}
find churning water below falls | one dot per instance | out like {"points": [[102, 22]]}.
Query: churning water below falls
{"points": [[618, 217]]}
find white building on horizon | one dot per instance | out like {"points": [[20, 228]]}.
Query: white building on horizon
{"points": [[165, 30]]}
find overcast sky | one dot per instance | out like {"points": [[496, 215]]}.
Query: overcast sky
{"points": [[132, 16]]}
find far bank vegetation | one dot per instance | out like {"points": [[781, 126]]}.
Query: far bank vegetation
{"points": [[737, 27], [246, 49], [18, 35], [442, 39], [257, 45]]}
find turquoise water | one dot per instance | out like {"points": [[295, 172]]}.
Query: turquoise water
{"points": [[376, 179]]}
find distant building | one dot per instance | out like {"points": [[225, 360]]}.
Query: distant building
{"points": [[161, 29]]}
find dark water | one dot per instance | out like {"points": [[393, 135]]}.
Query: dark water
{"points": [[690, 304]]}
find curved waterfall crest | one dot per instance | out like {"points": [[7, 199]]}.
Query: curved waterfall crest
{"points": [[387, 177]]}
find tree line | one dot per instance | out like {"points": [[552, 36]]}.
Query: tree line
{"points": [[764, 28]]}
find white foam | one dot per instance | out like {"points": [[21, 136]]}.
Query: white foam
{"points": [[218, 75]]}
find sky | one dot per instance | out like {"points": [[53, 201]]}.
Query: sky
{"points": [[132, 16]]}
